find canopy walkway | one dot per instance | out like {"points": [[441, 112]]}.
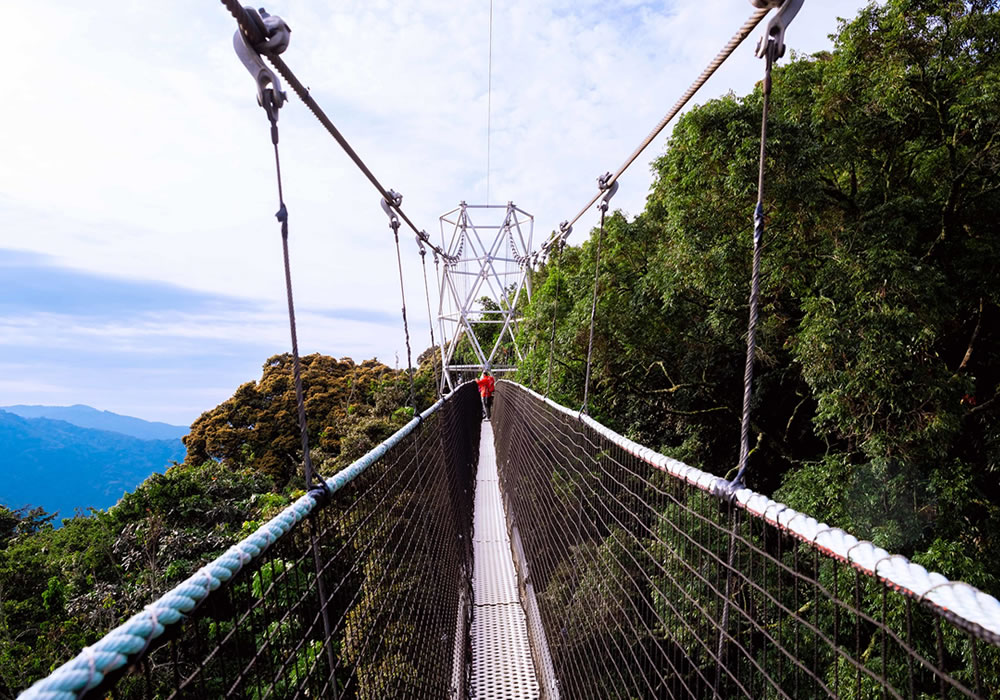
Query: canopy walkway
{"points": [[539, 554], [609, 571]]}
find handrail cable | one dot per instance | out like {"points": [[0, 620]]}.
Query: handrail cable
{"points": [[252, 32], [710, 69]]}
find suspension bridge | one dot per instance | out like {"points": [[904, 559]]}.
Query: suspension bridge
{"points": [[536, 554]]}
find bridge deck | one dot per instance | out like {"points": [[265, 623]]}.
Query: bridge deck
{"points": [[501, 656]]}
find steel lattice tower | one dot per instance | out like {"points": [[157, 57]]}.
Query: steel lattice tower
{"points": [[481, 286]]}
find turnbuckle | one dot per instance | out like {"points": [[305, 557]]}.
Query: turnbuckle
{"points": [[271, 36], [773, 40]]}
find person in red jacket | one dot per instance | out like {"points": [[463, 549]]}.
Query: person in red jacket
{"points": [[487, 385]]}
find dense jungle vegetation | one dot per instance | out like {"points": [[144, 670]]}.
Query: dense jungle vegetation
{"points": [[878, 365], [878, 360]]}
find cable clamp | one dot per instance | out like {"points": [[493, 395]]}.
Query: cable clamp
{"points": [[773, 40], [609, 188], [320, 490], [726, 490], [395, 201], [273, 38], [566, 228]]}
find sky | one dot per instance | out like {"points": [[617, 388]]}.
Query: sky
{"points": [[140, 261]]}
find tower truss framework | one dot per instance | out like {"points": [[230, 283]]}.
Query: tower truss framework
{"points": [[481, 286]]}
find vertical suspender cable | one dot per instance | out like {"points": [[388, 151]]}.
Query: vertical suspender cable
{"points": [[319, 485], [555, 308], [387, 206], [565, 229], [770, 48], [282, 216], [430, 317], [758, 239], [593, 314], [489, 105], [609, 191]]}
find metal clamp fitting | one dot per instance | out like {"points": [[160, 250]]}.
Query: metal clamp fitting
{"points": [[773, 39], [274, 39], [609, 190], [278, 34], [396, 200]]}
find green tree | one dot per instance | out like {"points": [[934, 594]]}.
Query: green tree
{"points": [[878, 362]]}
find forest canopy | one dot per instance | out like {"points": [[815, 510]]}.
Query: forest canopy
{"points": [[878, 361]]}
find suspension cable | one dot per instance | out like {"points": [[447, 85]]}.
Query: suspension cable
{"points": [[771, 47], [430, 318], [389, 205], [720, 58], [609, 188], [282, 216], [489, 105], [565, 229], [275, 33], [758, 236], [252, 32]]}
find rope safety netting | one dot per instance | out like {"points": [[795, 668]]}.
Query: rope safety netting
{"points": [[638, 565], [394, 559]]}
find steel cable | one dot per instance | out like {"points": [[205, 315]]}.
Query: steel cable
{"points": [[394, 224], [593, 307], [710, 69], [250, 31], [555, 308], [430, 317]]}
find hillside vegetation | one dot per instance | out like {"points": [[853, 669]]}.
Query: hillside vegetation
{"points": [[61, 589]]}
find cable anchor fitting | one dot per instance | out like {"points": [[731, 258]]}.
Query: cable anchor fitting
{"points": [[773, 40], [272, 37], [395, 201], [423, 238], [609, 187], [726, 490]]}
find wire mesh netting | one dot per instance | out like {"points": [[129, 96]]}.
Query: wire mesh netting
{"points": [[649, 586], [393, 551]]}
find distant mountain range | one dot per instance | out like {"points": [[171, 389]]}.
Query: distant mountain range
{"points": [[63, 465], [88, 417]]}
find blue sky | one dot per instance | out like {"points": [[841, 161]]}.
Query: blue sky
{"points": [[140, 262]]}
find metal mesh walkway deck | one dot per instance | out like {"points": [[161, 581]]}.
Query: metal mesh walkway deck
{"points": [[501, 656]]}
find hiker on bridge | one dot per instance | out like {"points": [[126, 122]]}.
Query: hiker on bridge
{"points": [[487, 385]]}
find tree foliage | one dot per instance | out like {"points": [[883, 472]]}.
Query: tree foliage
{"points": [[350, 408], [878, 360]]}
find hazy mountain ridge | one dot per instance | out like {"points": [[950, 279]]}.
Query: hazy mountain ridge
{"points": [[62, 467], [89, 417]]}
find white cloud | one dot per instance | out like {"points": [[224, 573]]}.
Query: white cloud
{"points": [[133, 145]]}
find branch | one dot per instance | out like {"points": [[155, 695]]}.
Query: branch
{"points": [[696, 412], [972, 340], [983, 406]]}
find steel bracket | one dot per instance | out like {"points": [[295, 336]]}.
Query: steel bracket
{"points": [[274, 37], [609, 191], [773, 39]]}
